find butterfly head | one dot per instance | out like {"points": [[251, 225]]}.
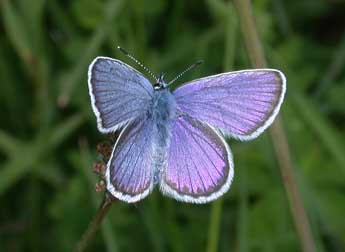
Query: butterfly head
{"points": [[160, 84]]}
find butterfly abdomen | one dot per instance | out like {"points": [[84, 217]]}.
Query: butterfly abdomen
{"points": [[163, 113]]}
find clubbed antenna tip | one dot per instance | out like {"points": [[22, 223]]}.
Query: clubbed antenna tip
{"points": [[123, 50]]}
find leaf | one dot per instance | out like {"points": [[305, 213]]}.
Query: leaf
{"points": [[8, 144], [65, 129], [321, 128], [17, 167], [15, 28]]}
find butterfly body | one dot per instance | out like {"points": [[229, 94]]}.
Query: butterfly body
{"points": [[163, 115], [176, 139]]}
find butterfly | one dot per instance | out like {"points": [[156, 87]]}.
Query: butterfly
{"points": [[175, 139]]}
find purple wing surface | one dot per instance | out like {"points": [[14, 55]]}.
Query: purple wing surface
{"points": [[200, 165], [129, 174], [241, 104], [118, 92]]}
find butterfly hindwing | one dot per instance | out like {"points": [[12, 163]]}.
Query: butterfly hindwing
{"points": [[118, 93], [200, 165], [241, 104], [129, 173]]}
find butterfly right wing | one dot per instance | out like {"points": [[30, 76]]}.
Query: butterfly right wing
{"points": [[118, 92], [129, 174], [241, 104], [199, 164]]}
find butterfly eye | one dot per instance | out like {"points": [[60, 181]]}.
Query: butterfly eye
{"points": [[157, 86]]}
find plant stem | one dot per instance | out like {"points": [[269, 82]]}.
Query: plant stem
{"points": [[95, 223], [278, 136], [214, 228], [288, 177]]}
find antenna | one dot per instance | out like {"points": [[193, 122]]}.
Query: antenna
{"points": [[137, 62], [185, 71]]}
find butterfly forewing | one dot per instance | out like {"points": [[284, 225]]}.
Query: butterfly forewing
{"points": [[200, 166], [129, 172], [118, 93], [242, 104]]}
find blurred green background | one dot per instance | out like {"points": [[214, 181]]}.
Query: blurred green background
{"points": [[48, 133]]}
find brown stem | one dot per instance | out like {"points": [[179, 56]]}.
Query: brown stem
{"points": [[278, 136], [95, 223]]}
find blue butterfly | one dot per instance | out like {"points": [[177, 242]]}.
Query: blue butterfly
{"points": [[176, 139]]}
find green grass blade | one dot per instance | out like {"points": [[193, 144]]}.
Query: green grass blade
{"points": [[321, 127], [16, 31]]}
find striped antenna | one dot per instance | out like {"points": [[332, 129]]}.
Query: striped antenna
{"points": [[138, 62], [185, 71]]}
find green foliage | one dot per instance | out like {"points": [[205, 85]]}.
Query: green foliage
{"points": [[48, 132]]}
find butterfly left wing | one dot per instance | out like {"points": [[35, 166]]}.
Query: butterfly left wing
{"points": [[119, 93], [129, 174], [200, 166], [242, 104]]}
